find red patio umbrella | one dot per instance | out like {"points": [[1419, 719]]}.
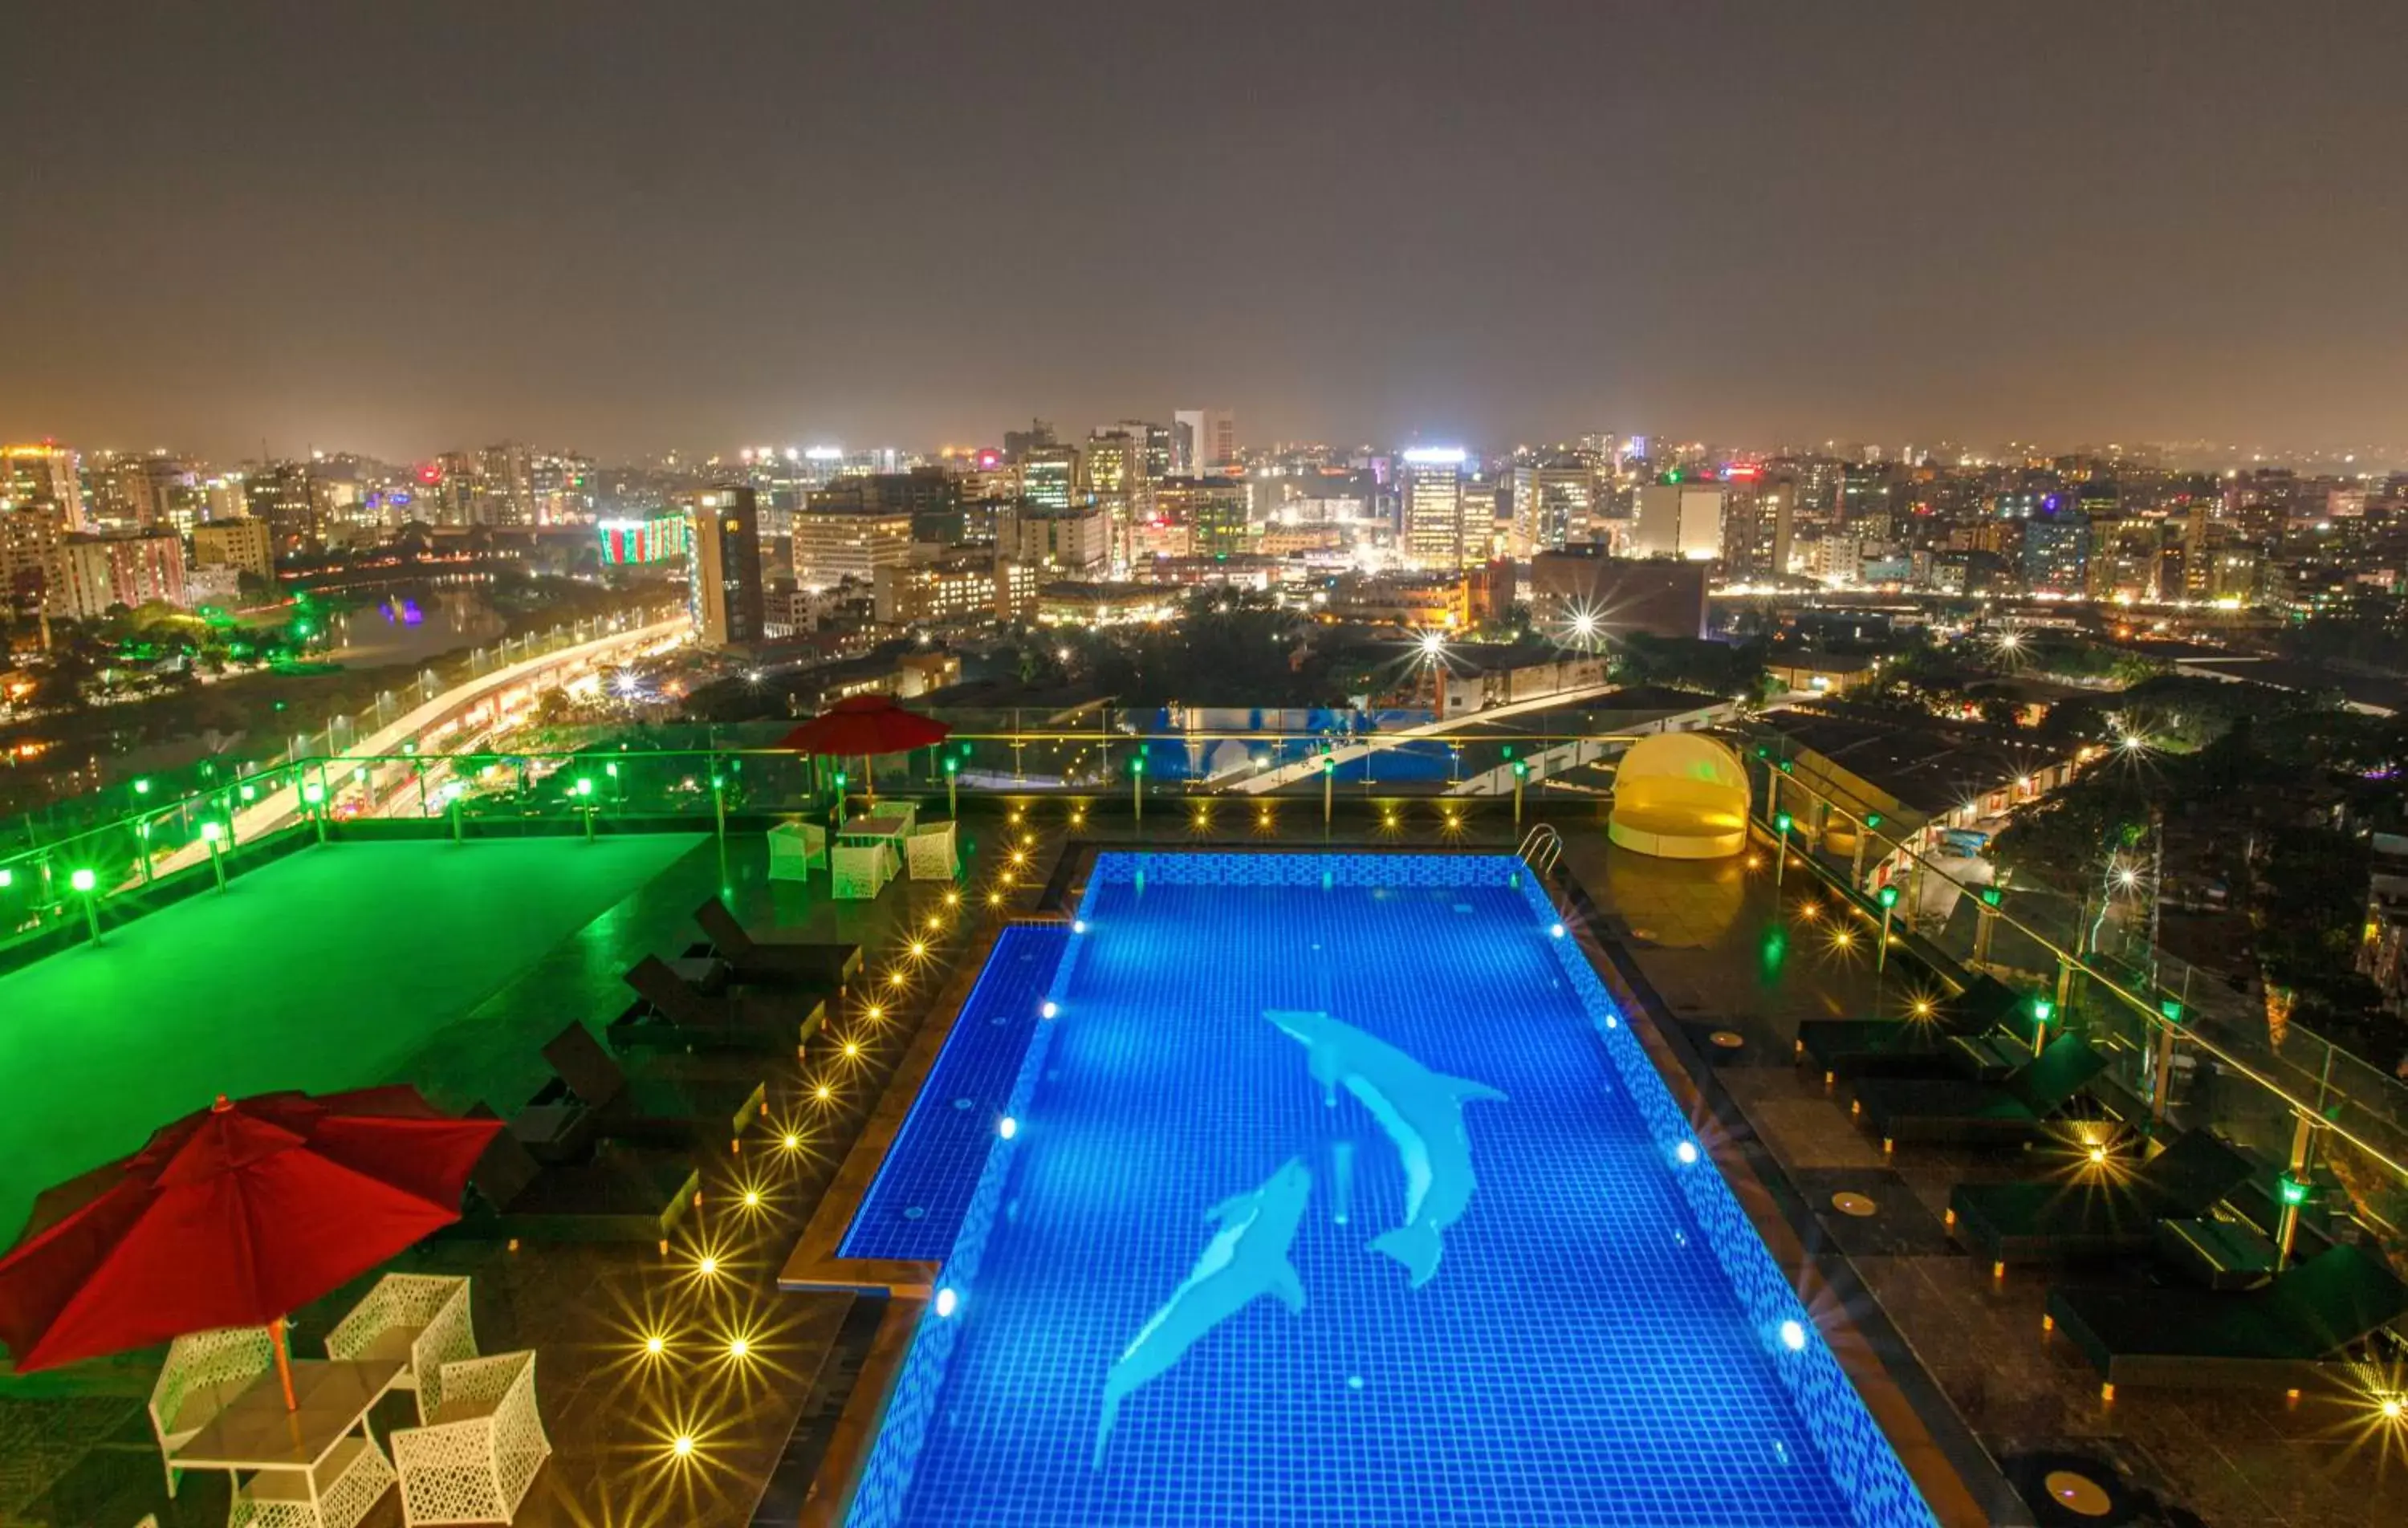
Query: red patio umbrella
{"points": [[233, 1217], [865, 725]]}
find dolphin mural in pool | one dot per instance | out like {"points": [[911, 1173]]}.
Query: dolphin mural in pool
{"points": [[1247, 1257], [1421, 1111]]}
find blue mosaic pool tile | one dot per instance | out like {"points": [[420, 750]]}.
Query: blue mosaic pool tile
{"points": [[914, 1208], [1594, 1347]]}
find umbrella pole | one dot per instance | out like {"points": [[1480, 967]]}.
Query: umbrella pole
{"points": [[869, 782], [283, 1362]]}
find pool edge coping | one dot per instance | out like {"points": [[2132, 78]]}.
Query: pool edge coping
{"points": [[908, 1284]]}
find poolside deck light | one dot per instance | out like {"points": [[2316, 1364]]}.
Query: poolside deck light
{"points": [[851, 1050], [874, 1013], [1048, 1010], [1008, 1128], [793, 1141], [823, 1093], [946, 1303], [1793, 1337], [682, 1445], [656, 1345], [1687, 1152], [1078, 925], [1555, 931]]}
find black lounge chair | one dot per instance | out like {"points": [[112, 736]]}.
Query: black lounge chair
{"points": [[1852, 1048], [621, 1193], [1963, 1113], [2282, 1333], [2102, 1213], [671, 1014], [824, 968], [665, 1100]]}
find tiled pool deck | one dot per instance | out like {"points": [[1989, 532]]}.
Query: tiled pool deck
{"points": [[1701, 938]]}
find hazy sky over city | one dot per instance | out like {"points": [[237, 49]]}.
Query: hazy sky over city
{"points": [[624, 227]]}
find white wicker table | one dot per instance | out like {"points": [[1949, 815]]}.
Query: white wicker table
{"points": [[256, 1434]]}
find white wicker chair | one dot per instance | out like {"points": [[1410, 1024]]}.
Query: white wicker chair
{"points": [[931, 852], [794, 849], [475, 1459], [337, 1495], [859, 871], [420, 1318], [204, 1370]]}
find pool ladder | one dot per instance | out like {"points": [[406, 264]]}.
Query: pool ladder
{"points": [[1541, 846]]}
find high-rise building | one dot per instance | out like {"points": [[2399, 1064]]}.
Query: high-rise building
{"points": [[931, 496], [505, 491], [1210, 439], [1567, 489], [1049, 477], [1435, 510], [1017, 444], [43, 477], [1586, 596], [242, 544], [1679, 519], [1113, 474], [1213, 511], [1067, 543], [90, 574], [725, 594], [563, 486], [1759, 517], [27, 540], [1156, 438], [2057, 552], [833, 545], [284, 495]]}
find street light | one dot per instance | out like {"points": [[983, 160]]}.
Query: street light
{"points": [[85, 884], [1781, 822], [210, 833]]}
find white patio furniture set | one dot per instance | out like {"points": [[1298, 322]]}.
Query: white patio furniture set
{"points": [[219, 1406], [867, 852]]}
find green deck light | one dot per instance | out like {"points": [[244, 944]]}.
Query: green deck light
{"points": [[1521, 768], [1782, 822], [211, 832], [839, 779], [1137, 766], [250, 792], [953, 766], [1888, 897], [7, 877], [313, 793], [2042, 1009], [2294, 1191], [1873, 819], [2171, 1010], [142, 787], [83, 880], [1990, 896], [584, 787], [1786, 767], [611, 769]]}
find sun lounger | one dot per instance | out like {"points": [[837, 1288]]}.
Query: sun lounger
{"points": [[2098, 1212], [671, 1015], [1967, 1113], [2282, 1333], [1849, 1048], [667, 1100], [621, 1193], [765, 958]]}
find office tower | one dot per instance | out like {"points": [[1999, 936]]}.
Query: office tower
{"points": [[1070, 542], [1679, 519], [27, 540], [242, 544], [1017, 444], [1567, 506], [1116, 483], [1212, 515], [1049, 477], [1758, 519], [1435, 510], [931, 496], [504, 491], [1211, 440], [90, 574], [43, 478], [833, 545], [1156, 440], [2057, 552], [725, 593], [283, 494], [562, 485]]}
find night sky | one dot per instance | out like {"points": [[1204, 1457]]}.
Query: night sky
{"points": [[400, 228]]}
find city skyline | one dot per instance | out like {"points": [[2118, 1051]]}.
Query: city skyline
{"points": [[384, 235]]}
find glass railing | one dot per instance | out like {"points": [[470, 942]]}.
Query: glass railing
{"points": [[2186, 1045], [2190, 1046]]}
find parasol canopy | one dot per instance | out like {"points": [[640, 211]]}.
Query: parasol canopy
{"points": [[232, 1216], [865, 725]]}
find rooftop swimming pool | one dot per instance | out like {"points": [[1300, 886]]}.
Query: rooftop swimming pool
{"points": [[1330, 1189]]}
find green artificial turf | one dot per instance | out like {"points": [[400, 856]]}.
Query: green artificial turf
{"points": [[332, 968]]}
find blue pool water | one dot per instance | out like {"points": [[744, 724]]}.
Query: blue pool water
{"points": [[1600, 1339]]}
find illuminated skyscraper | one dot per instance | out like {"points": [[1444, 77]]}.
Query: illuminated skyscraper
{"points": [[1210, 437], [1116, 481], [725, 594], [43, 477], [1679, 519], [1049, 477], [1435, 509]]}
